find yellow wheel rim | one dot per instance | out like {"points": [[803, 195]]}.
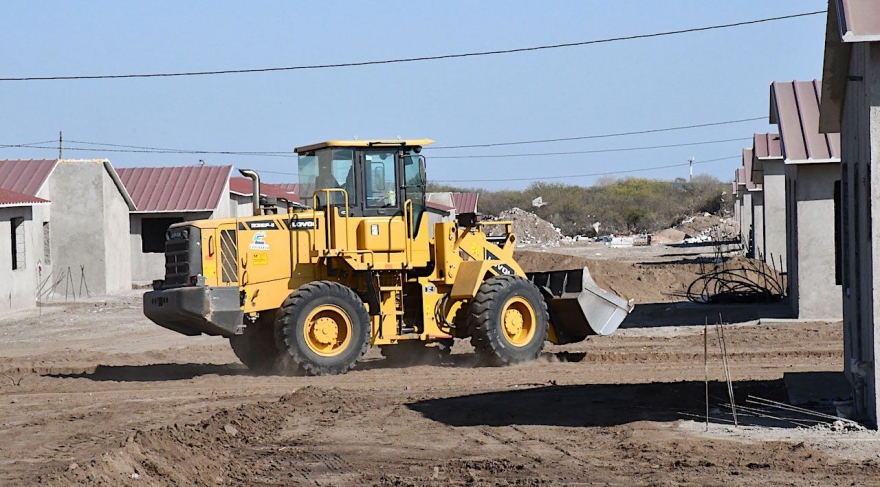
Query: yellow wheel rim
{"points": [[518, 322], [327, 330]]}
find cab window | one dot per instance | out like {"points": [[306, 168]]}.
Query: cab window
{"points": [[380, 184], [327, 169]]}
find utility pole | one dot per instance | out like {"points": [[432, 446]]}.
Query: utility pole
{"points": [[60, 143], [691, 178]]}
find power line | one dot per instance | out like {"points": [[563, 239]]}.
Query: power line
{"points": [[182, 151], [159, 151], [29, 145], [611, 173], [599, 136], [415, 59], [596, 151]]}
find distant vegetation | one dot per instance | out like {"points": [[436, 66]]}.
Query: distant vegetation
{"points": [[620, 205]]}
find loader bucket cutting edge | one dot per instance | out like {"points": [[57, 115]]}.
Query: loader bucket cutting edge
{"points": [[578, 306]]}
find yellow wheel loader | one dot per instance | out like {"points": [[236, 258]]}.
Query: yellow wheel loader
{"points": [[358, 261]]}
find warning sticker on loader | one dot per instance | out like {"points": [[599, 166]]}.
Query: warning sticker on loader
{"points": [[260, 258]]}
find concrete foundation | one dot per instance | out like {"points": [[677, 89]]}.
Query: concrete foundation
{"points": [[812, 288]]}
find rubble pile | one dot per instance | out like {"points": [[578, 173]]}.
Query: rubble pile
{"points": [[529, 228]]}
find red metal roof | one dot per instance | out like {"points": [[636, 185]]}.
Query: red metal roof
{"points": [[794, 106], [289, 187], [168, 189], [25, 176], [244, 187], [14, 198], [741, 176], [465, 202]]}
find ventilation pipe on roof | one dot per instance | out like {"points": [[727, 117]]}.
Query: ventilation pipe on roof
{"points": [[255, 196]]}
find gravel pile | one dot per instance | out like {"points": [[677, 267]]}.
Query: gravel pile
{"points": [[529, 228]]}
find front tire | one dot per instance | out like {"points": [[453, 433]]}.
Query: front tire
{"points": [[508, 321], [323, 328], [255, 347]]}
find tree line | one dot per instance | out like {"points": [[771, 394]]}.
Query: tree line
{"points": [[619, 205]]}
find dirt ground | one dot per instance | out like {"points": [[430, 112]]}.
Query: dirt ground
{"points": [[93, 393]]}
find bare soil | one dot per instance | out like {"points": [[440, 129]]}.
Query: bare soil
{"points": [[93, 393]]}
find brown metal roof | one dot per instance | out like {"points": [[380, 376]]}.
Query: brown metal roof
{"points": [[465, 202], [14, 198], [244, 187], [794, 107], [170, 189], [439, 206], [858, 20], [751, 185], [25, 176], [767, 146], [740, 176]]}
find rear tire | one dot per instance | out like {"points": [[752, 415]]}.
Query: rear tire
{"points": [[508, 321], [323, 328], [255, 347]]}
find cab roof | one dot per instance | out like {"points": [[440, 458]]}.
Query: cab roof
{"points": [[365, 143]]}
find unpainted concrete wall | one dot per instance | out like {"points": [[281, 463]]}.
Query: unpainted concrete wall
{"points": [[813, 292], [89, 228], [746, 227], [774, 215], [18, 288], [758, 224], [860, 192]]}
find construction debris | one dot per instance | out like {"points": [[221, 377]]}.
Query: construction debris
{"points": [[530, 229]]}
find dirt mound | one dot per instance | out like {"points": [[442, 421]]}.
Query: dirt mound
{"points": [[648, 282], [202, 453], [529, 228]]}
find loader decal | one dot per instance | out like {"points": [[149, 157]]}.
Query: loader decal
{"points": [[297, 224], [500, 269], [259, 242], [263, 225]]}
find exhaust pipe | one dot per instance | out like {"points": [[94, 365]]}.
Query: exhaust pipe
{"points": [[248, 173]]}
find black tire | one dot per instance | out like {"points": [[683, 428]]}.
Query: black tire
{"points": [[255, 347], [342, 305], [410, 353], [496, 344]]}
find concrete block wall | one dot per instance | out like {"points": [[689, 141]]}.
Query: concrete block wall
{"points": [[860, 195], [812, 288], [746, 228], [758, 224], [89, 224], [774, 215], [18, 288]]}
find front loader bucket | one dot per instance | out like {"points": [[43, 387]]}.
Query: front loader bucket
{"points": [[578, 306]]}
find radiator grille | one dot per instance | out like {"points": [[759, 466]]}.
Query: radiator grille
{"points": [[228, 256]]}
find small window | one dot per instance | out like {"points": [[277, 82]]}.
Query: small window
{"points": [[18, 242], [153, 234], [47, 244]]}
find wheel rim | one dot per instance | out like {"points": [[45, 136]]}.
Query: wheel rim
{"points": [[327, 330], [518, 322]]}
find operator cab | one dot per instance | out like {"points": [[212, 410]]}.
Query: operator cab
{"points": [[377, 176]]}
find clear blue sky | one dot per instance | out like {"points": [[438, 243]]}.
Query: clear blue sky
{"points": [[622, 86]]}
